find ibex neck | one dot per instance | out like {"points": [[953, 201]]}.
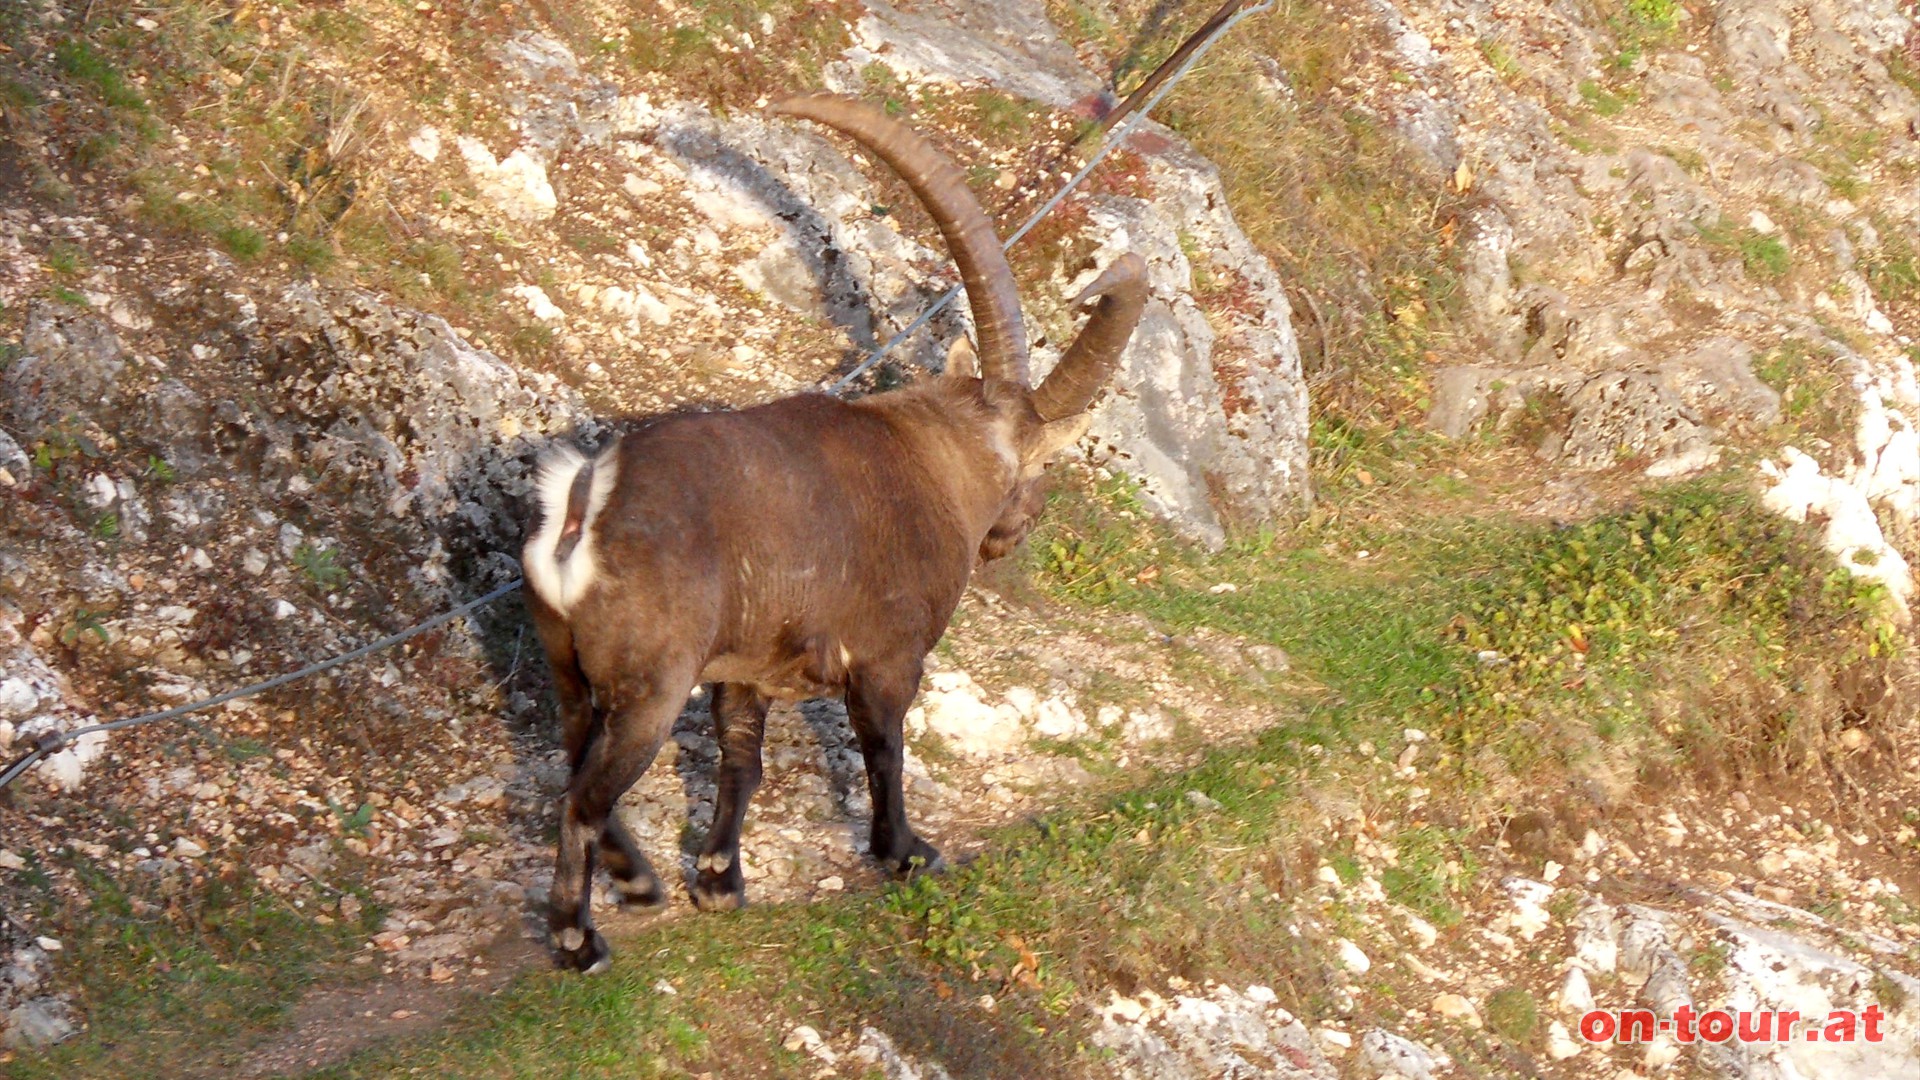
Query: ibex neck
{"points": [[965, 445]]}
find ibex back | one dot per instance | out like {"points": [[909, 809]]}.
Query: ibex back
{"points": [[806, 547]]}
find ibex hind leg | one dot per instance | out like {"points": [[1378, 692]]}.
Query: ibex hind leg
{"points": [[877, 703], [740, 723], [636, 887], [640, 714]]}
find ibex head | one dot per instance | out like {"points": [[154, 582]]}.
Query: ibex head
{"points": [[1037, 422]]}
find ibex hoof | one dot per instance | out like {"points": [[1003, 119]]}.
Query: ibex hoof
{"points": [[585, 951], [643, 895], [920, 858], [719, 889]]}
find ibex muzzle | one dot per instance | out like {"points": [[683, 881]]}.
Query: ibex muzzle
{"points": [[806, 547]]}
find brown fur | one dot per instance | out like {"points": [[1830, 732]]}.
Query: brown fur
{"points": [[806, 547]]}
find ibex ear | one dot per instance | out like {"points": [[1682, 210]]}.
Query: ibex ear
{"points": [[962, 361], [1055, 436]]}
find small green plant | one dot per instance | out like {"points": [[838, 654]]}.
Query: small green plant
{"points": [[1893, 270], [1845, 181], [80, 61], [1659, 15], [71, 297], [105, 527], [1812, 388], [66, 260], [1601, 100], [1900, 911], [63, 444], [531, 341], [1869, 600], [1094, 560], [1432, 868], [16, 100], [1690, 161], [310, 253], [1887, 992], [1498, 58], [1512, 1013], [241, 241], [1763, 255], [356, 822], [160, 470], [1710, 959], [1545, 414], [319, 566], [1828, 907], [82, 622], [1087, 22], [1003, 116], [1904, 69]]}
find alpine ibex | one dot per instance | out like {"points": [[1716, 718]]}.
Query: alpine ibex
{"points": [[806, 547]]}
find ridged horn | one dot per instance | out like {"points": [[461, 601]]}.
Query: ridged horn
{"points": [[943, 190], [1090, 360]]}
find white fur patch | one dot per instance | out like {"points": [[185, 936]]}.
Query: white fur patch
{"points": [[561, 583], [1000, 441]]}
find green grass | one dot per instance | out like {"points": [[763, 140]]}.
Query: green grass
{"points": [[66, 260], [1764, 256], [702, 49], [1815, 397], [1123, 890], [17, 99], [1498, 58], [80, 61], [1893, 269], [1903, 70], [165, 973], [1602, 100], [242, 241], [1002, 116], [1689, 160], [1512, 1014], [1592, 639], [1655, 15], [1128, 886], [1652, 636], [1434, 865]]}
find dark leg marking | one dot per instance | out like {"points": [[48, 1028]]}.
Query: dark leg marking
{"points": [[636, 887], [636, 723], [877, 701], [740, 723]]}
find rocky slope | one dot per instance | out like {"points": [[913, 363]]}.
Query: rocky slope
{"points": [[1676, 202]]}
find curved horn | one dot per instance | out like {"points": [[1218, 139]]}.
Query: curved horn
{"points": [[943, 190], [1090, 360]]}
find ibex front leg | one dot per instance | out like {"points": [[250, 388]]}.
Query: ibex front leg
{"points": [[740, 722], [877, 702], [639, 716]]}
